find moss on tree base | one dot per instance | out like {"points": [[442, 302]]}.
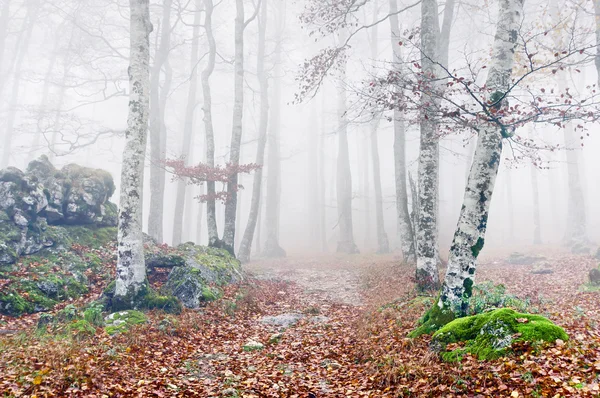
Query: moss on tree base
{"points": [[490, 335], [433, 320]]}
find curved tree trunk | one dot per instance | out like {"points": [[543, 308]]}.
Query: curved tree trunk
{"points": [[472, 224], [180, 200], [131, 268], [246, 244], [157, 127]]}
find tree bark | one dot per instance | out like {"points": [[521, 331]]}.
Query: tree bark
{"points": [[211, 207], [236, 133], [180, 200], [383, 245], [131, 267], [428, 179], [405, 226], [247, 239], [273, 205], [158, 128], [470, 232]]}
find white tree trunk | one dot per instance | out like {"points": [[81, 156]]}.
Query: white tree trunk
{"points": [[236, 133], [470, 232], [180, 200], [405, 225], [247, 239], [158, 129], [428, 180], [211, 207], [131, 268]]}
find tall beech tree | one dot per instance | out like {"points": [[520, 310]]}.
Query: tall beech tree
{"points": [[131, 267]]}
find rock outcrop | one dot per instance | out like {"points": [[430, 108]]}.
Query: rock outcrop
{"points": [[202, 271], [33, 202]]}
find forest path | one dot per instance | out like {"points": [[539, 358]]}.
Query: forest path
{"points": [[332, 278]]}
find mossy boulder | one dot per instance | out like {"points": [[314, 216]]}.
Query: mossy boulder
{"points": [[196, 282], [491, 334], [122, 321], [33, 203], [146, 299]]}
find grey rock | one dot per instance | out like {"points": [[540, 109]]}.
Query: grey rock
{"points": [[43, 195], [283, 320]]}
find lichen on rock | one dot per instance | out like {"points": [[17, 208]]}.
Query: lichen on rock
{"points": [[490, 335]]}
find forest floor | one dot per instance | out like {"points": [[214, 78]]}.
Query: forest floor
{"points": [[343, 339]]}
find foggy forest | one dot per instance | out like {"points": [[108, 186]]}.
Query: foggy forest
{"points": [[299, 198]]}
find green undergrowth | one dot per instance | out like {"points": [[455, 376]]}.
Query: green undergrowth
{"points": [[490, 335], [145, 299]]}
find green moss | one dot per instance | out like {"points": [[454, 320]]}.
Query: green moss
{"points": [[477, 247], [211, 294], [146, 299], [121, 321], [168, 304], [433, 320], [94, 237], [490, 335], [4, 216], [12, 304], [81, 328]]}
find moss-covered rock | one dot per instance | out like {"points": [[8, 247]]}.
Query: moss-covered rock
{"points": [[490, 335], [121, 321], [145, 299], [190, 286]]}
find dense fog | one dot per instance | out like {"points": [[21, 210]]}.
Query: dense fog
{"points": [[64, 84]]}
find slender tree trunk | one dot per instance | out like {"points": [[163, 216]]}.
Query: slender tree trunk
{"points": [[131, 268], [535, 193], [180, 200], [470, 232], [158, 129], [405, 226], [273, 206], [246, 245], [428, 180], [509, 206], [236, 133], [313, 214], [383, 245], [32, 12], [344, 178], [364, 177], [322, 177], [211, 207]]}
